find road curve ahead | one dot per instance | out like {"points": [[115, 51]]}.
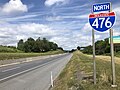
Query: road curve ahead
{"points": [[34, 75]]}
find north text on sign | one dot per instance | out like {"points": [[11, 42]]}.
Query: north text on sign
{"points": [[101, 7]]}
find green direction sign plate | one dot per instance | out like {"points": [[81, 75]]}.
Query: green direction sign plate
{"points": [[116, 39]]}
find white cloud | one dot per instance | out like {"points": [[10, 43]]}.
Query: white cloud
{"points": [[76, 17], [117, 11], [19, 18], [86, 28], [116, 32], [72, 39], [52, 2], [58, 18], [15, 32], [12, 33], [14, 7], [54, 18]]}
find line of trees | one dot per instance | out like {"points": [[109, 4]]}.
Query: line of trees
{"points": [[38, 45], [101, 47]]}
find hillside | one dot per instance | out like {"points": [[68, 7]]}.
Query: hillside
{"points": [[8, 49]]}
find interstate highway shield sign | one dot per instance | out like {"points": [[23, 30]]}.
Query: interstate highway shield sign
{"points": [[102, 21]]}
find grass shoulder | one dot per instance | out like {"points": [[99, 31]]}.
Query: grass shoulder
{"points": [[78, 74], [17, 55]]}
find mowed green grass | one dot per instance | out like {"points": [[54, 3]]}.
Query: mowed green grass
{"points": [[81, 66], [6, 56]]}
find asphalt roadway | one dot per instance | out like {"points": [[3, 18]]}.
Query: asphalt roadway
{"points": [[34, 75]]}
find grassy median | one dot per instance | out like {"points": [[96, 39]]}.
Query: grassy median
{"points": [[6, 56], [78, 74]]}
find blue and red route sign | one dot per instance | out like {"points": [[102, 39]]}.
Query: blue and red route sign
{"points": [[102, 21]]}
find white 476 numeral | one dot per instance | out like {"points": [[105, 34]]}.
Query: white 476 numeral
{"points": [[108, 24]]}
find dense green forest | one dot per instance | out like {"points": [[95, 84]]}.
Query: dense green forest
{"points": [[31, 45], [38, 45], [101, 47]]}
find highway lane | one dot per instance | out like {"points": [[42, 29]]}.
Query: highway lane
{"points": [[15, 69], [34, 75]]}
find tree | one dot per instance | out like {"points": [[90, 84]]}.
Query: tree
{"points": [[60, 48], [101, 47], [46, 46], [20, 45], [55, 46], [88, 49], [29, 45], [37, 45], [78, 48]]}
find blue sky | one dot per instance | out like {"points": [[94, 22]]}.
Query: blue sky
{"points": [[62, 21]]}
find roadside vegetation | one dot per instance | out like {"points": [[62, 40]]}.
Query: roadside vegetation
{"points": [[38, 45], [6, 56], [9, 49], [78, 74], [102, 47], [30, 48], [117, 54]]}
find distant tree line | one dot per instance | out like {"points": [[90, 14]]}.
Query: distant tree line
{"points": [[38, 45], [101, 47]]}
